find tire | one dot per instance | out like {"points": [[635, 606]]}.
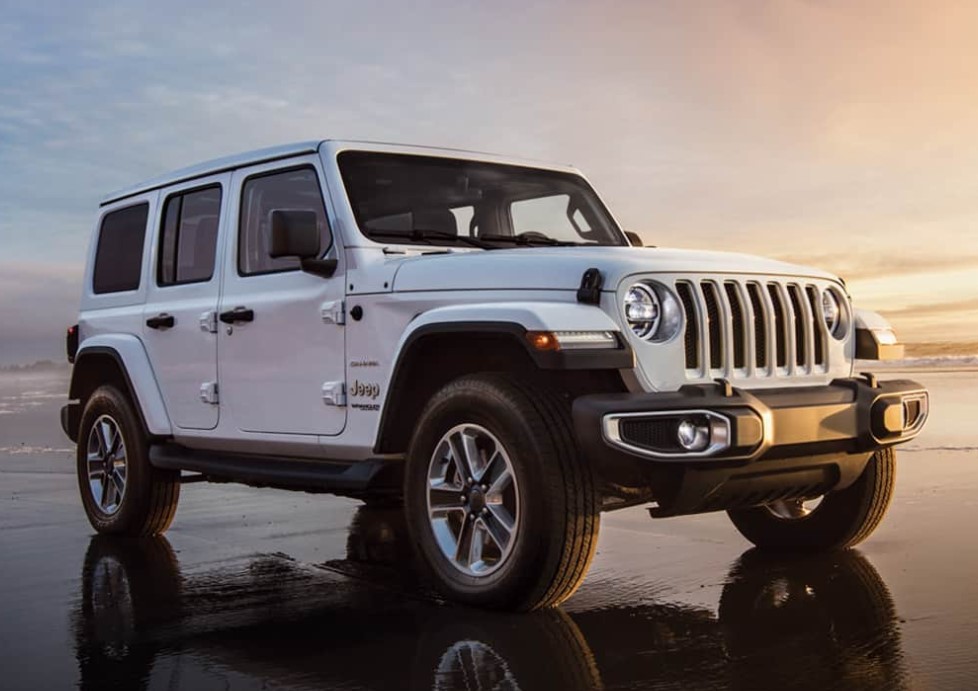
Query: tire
{"points": [[550, 495], [149, 495], [842, 519]]}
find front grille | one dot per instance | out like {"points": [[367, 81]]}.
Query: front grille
{"points": [[752, 328]]}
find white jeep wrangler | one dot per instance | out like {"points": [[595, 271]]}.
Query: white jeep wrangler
{"points": [[476, 337]]}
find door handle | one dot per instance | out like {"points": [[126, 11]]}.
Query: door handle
{"points": [[161, 321], [238, 314]]}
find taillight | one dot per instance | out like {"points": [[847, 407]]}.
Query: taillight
{"points": [[71, 342]]}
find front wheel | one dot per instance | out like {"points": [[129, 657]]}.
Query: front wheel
{"points": [[500, 505], [834, 521]]}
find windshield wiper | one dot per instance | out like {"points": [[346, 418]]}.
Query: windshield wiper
{"points": [[422, 235], [530, 241]]}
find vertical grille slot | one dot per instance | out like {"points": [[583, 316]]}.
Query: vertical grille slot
{"points": [[780, 335], [760, 325], [739, 328], [692, 326], [818, 326], [753, 328], [799, 319], [713, 321]]}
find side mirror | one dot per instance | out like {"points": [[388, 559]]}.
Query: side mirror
{"points": [[634, 239], [295, 233]]}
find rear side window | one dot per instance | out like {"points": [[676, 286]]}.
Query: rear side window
{"points": [[119, 256], [188, 238], [296, 189]]}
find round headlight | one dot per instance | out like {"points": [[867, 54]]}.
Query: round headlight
{"points": [[642, 310], [831, 312], [652, 312]]}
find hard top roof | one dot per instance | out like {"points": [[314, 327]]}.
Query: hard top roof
{"points": [[273, 153]]}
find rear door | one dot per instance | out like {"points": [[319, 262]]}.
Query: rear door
{"points": [[284, 348], [179, 319]]}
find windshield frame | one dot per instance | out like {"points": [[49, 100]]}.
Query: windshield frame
{"points": [[611, 236]]}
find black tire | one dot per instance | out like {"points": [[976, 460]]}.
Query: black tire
{"points": [[842, 519], [557, 531], [150, 495]]}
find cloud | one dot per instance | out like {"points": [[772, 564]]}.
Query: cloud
{"points": [[861, 266]]}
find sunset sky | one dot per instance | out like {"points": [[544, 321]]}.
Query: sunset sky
{"points": [[843, 134]]}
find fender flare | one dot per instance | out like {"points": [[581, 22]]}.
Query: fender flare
{"points": [[513, 321], [129, 353]]}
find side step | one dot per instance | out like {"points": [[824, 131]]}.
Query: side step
{"points": [[375, 476]]}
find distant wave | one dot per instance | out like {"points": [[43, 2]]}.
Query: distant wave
{"points": [[921, 449], [934, 361], [18, 450]]}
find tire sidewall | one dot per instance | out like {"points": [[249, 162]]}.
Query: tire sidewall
{"points": [[107, 400], [474, 402]]}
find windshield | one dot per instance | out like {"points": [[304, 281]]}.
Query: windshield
{"points": [[400, 198]]}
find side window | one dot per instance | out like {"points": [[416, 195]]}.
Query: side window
{"points": [[119, 255], [188, 236], [296, 189]]}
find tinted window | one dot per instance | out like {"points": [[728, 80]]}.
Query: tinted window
{"points": [[119, 256], [188, 239], [294, 190]]}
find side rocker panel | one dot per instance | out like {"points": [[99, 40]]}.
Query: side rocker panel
{"points": [[131, 356]]}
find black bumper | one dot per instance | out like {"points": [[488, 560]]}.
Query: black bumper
{"points": [[772, 443]]}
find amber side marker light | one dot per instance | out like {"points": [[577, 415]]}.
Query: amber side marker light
{"points": [[571, 340]]}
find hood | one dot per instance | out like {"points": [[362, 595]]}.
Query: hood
{"points": [[560, 268]]}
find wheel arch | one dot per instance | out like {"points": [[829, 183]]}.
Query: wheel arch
{"points": [[447, 343], [121, 361]]}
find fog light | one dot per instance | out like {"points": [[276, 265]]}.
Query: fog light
{"points": [[692, 435]]}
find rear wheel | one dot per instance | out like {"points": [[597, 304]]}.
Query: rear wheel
{"points": [[834, 521], [499, 503], [121, 492]]}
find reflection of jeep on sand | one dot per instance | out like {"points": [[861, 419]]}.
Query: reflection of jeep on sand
{"points": [[145, 620], [477, 337]]}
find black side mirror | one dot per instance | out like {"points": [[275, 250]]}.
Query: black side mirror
{"points": [[634, 239], [295, 233]]}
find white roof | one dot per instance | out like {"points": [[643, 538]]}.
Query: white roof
{"points": [[273, 153]]}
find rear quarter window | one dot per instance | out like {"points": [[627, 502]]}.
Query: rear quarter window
{"points": [[119, 255]]}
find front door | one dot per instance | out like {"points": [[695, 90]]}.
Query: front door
{"points": [[277, 343], [179, 331]]}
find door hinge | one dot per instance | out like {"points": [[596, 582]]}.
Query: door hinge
{"points": [[334, 312], [208, 321], [208, 392], [334, 393]]}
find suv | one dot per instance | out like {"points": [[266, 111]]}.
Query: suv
{"points": [[477, 338]]}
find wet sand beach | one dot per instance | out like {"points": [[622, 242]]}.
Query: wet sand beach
{"points": [[257, 589]]}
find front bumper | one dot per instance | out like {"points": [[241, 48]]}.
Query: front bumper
{"points": [[772, 443]]}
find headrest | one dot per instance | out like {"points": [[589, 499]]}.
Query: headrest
{"points": [[442, 220]]}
